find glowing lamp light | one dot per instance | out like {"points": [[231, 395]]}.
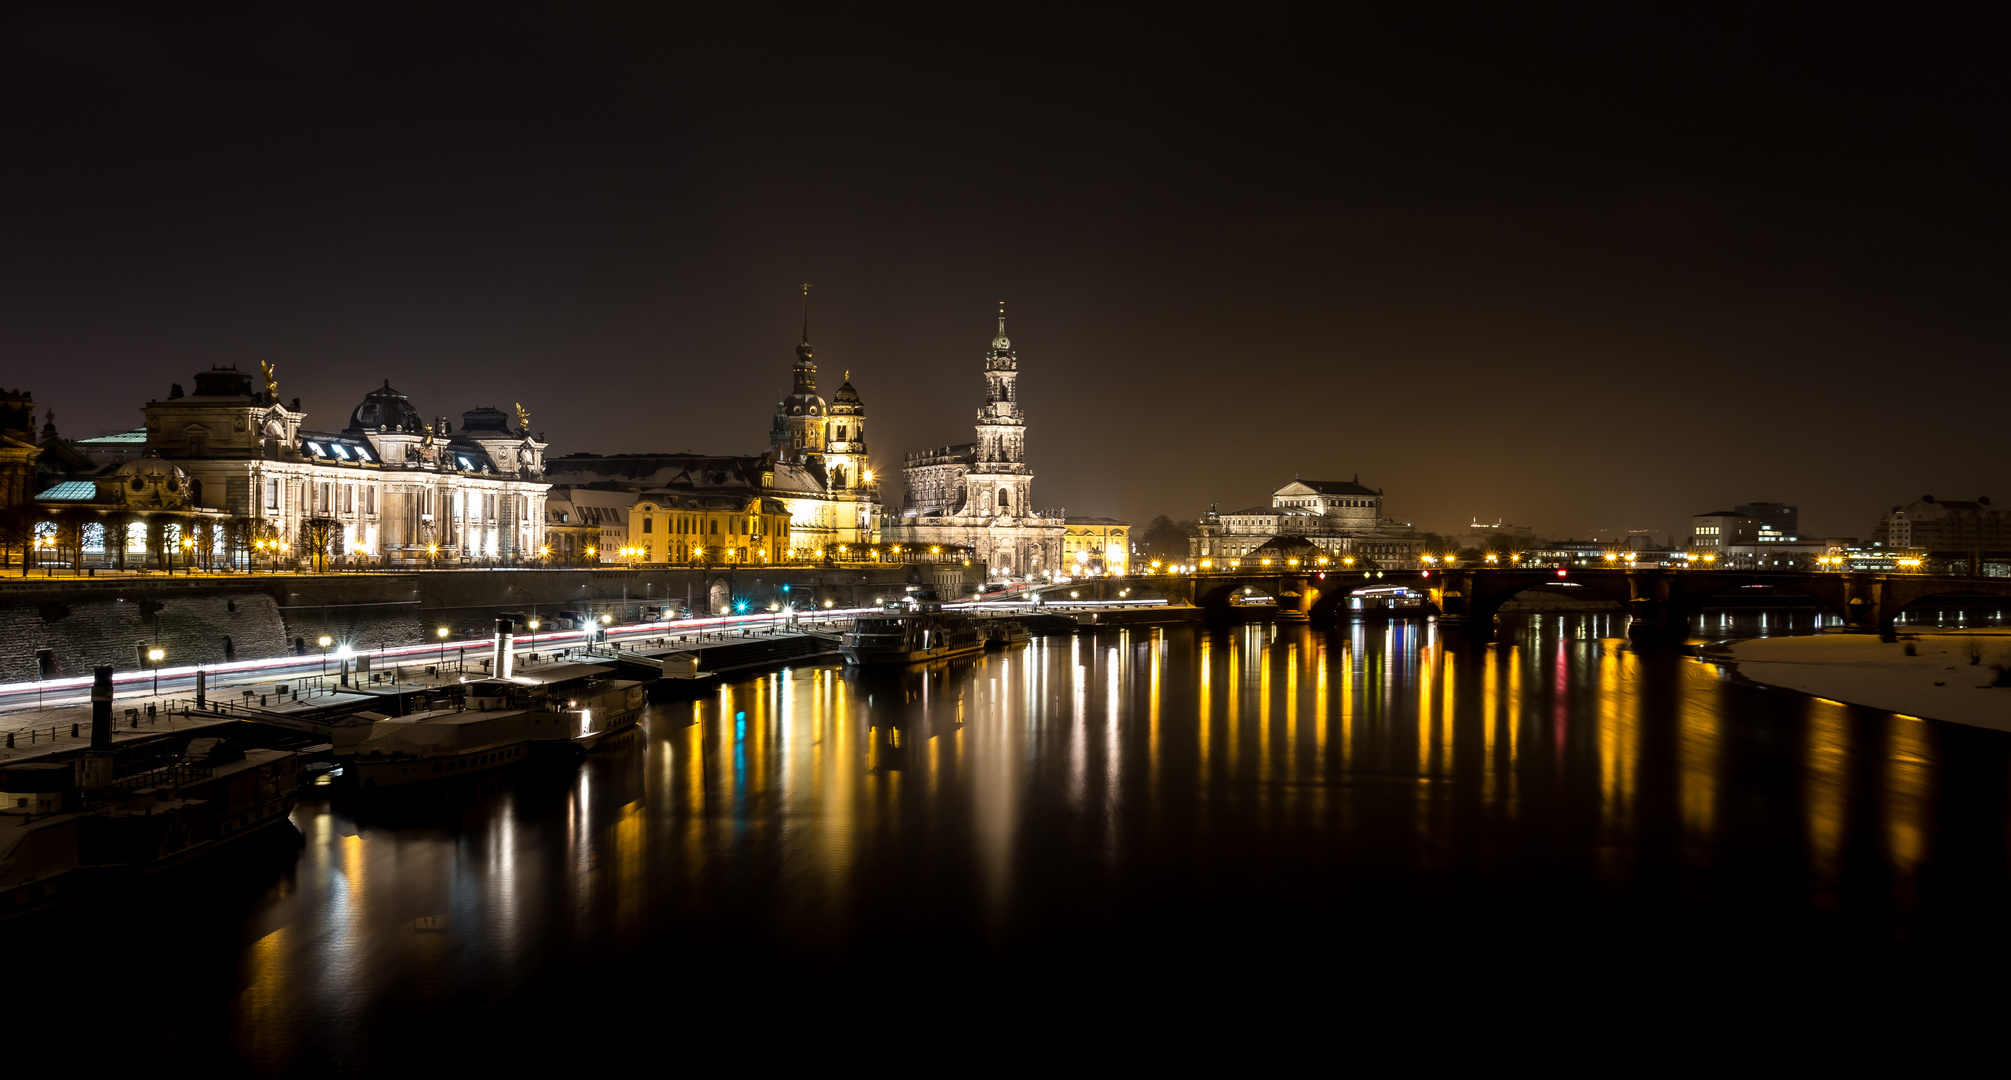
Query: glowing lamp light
{"points": [[1561, 572], [326, 641], [441, 632], [156, 655]]}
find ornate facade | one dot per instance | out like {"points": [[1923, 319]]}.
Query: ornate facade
{"points": [[1341, 517], [979, 495], [815, 471], [388, 486]]}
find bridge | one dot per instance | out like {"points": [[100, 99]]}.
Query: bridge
{"points": [[1659, 600]]}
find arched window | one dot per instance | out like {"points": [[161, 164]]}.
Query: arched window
{"points": [[1005, 500]]}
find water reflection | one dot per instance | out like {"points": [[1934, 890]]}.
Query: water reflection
{"points": [[1258, 792]]}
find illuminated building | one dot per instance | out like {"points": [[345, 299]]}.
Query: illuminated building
{"points": [[733, 529], [978, 496], [387, 488], [1096, 544], [816, 470], [1340, 517]]}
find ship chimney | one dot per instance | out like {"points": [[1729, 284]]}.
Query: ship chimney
{"points": [[100, 762], [506, 636], [101, 708]]}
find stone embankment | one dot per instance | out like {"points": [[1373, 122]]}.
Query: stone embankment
{"points": [[212, 618]]}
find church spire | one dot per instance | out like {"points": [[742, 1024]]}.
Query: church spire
{"points": [[803, 351]]}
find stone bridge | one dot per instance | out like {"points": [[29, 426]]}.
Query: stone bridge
{"points": [[1657, 599]]}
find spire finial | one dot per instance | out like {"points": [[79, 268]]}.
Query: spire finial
{"points": [[806, 312]]}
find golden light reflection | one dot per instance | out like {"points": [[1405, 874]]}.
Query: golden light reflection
{"points": [[1906, 783], [1826, 759]]}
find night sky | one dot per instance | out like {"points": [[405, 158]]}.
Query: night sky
{"points": [[1580, 268]]}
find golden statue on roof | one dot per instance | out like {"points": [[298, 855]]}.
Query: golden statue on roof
{"points": [[271, 381], [523, 419]]}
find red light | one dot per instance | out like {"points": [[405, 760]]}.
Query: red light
{"points": [[1427, 573], [1323, 575], [1560, 573]]}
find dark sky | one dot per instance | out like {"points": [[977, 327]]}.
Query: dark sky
{"points": [[1584, 268]]}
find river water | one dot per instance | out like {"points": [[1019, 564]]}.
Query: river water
{"points": [[1177, 839]]}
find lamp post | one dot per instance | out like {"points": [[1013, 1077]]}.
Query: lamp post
{"points": [[154, 656], [442, 634], [325, 642]]}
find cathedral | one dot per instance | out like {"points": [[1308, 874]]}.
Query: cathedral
{"points": [[978, 496]]}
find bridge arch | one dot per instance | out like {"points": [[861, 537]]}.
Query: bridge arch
{"points": [[1220, 599], [1829, 594]]}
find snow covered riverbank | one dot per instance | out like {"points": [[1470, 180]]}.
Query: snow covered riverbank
{"points": [[1938, 683]]}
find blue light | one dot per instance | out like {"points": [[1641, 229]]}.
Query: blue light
{"points": [[742, 606]]}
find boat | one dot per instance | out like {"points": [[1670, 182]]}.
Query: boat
{"points": [[570, 706], [441, 744], [1000, 633], [53, 835], [911, 630]]}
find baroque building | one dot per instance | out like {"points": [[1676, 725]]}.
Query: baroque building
{"points": [[1341, 517], [816, 474], [388, 486], [979, 495]]}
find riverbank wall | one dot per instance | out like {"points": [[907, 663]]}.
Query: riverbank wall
{"points": [[211, 618]]}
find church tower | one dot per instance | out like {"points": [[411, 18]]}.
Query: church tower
{"points": [[799, 429], [999, 483]]}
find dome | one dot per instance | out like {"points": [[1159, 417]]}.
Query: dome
{"points": [[1001, 343], [846, 400], [386, 410], [151, 480]]}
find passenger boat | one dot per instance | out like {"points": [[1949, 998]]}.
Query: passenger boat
{"points": [[912, 630]]}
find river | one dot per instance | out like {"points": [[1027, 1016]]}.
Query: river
{"points": [[1157, 836]]}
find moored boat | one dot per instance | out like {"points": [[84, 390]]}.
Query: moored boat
{"points": [[911, 631]]}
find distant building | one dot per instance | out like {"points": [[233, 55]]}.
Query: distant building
{"points": [[1945, 525], [1097, 545], [1718, 531], [1341, 517], [978, 496], [1483, 536]]}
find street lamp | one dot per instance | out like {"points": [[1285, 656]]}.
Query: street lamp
{"points": [[325, 642], [442, 632], [154, 656]]}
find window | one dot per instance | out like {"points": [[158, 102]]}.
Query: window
{"points": [[648, 525], [272, 494], [339, 451], [318, 451]]}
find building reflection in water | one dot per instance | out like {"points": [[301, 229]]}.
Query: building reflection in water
{"points": [[1001, 796]]}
